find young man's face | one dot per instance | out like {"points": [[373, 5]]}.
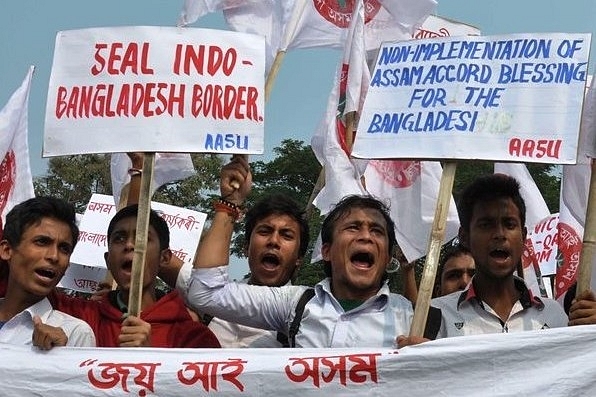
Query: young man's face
{"points": [[496, 238], [273, 250], [40, 259], [121, 251], [359, 254], [457, 273]]}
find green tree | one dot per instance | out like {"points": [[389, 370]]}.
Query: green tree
{"points": [[76, 178]]}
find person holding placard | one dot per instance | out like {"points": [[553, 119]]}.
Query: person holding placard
{"points": [[38, 239], [164, 320], [351, 308], [492, 216]]}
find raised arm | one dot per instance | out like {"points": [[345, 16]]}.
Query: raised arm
{"points": [[235, 185]]}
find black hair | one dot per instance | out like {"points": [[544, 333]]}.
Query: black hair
{"points": [[158, 223], [343, 207], [278, 204], [488, 188], [32, 211]]}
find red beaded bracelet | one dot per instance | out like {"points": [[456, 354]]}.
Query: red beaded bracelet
{"points": [[234, 210]]}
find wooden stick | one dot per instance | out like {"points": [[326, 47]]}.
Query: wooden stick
{"points": [[437, 236], [273, 73], [589, 243], [315, 191], [138, 261]]}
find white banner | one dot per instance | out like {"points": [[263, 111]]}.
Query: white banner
{"points": [[553, 362], [185, 227], [505, 98], [155, 89]]}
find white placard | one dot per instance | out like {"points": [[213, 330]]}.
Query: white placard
{"points": [[185, 227], [545, 247], [505, 98], [155, 89]]}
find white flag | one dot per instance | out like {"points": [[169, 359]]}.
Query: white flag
{"points": [[342, 174], [16, 183], [575, 185], [168, 167], [324, 23], [412, 188], [192, 10], [536, 208], [288, 24]]}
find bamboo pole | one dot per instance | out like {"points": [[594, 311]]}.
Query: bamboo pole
{"points": [[589, 242], [437, 236], [138, 261], [279, 56]]}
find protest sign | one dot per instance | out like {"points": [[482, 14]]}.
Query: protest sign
{"points": [[155, 89], [88, 268], [504, 98], [542, 242], [516, 364]]}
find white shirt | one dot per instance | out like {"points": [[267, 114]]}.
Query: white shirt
{"points": [[375, 323], [234, 335], [463, 313], [19, 329]]}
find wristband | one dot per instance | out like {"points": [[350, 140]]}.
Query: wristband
{"points": [[234, 210], [135, 171]]}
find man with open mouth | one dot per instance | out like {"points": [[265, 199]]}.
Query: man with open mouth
{"points": [[276, 235], [352, 307], [164, 320], [38, 239], [492, 216]]}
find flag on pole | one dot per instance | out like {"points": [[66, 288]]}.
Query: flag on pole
{"points": [[330, 143], [16, 182], [308, 23], [324, 23], [168, 167], [575, 185], [412, 188]]}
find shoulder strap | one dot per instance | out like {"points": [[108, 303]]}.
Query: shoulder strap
{"points": [[306, 296]]}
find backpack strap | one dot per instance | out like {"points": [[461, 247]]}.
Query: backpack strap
{"points": [[295, 325]]}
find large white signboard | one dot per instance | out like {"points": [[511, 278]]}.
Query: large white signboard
{"points": [[155, 89], [507, 98], [88, 267]]}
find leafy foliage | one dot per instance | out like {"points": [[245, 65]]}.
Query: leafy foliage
{"points": [[76, 178]]}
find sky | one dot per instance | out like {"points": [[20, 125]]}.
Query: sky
{"points": [[299, 96]]}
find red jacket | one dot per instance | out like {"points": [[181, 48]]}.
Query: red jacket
{"points": [[171, 325]]}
